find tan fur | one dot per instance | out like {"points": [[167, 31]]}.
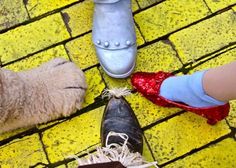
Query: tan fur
{"points": [[53, 90]]}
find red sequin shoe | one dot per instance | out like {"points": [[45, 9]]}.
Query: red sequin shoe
{"points": [[148, 84]]}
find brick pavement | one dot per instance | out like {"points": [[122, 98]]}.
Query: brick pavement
{"points": [[180, 36]]}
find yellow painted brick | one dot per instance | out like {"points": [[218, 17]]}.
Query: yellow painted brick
{"points": [[38, 59], [40, 166], [80, 17], [37, 8], [232, 115], [147, 112], [82, 51], [61, 166], [181, 134], [156, 57], [24, 152], [147, 154], [139, 40], [219, 4], [205, 37], [49, 124], [219, 155], [10, 134], [146, 3], [73, 136], [169, 16], [12, 13], [113, 82], [95, 85], [222, 59], [33, 37], [152, 58], [135, 6], [234, 8], [72, 164]]}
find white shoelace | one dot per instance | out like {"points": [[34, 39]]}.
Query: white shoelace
{"points": [[116, 152], [117, 92]]}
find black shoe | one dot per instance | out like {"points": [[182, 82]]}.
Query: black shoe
{"points": [[120, 118]]}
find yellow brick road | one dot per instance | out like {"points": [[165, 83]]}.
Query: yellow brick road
{"points": [[183, 36]]}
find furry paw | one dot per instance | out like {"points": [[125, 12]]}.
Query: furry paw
{"points": [[53, 90]]}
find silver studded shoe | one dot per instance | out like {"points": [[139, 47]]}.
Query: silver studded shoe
{"points": [[114, 37]]}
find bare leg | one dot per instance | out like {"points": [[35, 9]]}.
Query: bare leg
{"points": [[220, 82]]}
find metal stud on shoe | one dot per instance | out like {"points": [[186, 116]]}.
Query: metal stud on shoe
{"points": [[106, 44], [99, 42], [128, 43], [117, 44]]}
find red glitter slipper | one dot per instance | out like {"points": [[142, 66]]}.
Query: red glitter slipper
{"points": [[148, 84]]}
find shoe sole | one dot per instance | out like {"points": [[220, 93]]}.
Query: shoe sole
{"points": [[120, 76]]}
